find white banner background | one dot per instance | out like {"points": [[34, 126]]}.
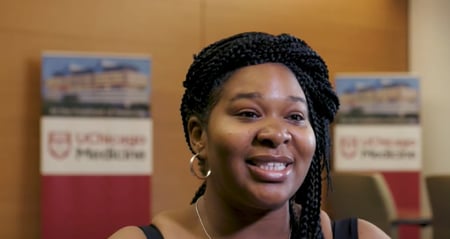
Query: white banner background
{"points": [[96, 146], [377, 147]]}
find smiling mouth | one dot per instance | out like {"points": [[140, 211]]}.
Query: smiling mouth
{"points": [[270, 169], [269, 166]]}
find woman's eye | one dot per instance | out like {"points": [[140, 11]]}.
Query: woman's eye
{"points": [[248, 114], [296, 117]]}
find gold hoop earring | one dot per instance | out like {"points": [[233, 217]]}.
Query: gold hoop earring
{"points": [[191, 166]]}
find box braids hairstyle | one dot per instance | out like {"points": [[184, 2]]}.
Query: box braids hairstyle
{"points": [[214, 65]]}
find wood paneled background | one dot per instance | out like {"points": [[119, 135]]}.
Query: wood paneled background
{"points": [[351, 35]]}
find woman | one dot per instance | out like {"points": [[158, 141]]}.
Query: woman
{"points": [[256, 113]]}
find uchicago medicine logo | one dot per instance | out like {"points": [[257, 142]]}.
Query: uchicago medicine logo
{"points": [[96, 145], [348, 147], [59, 144]]}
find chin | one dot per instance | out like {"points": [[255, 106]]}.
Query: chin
{"points": [[272, 200]]}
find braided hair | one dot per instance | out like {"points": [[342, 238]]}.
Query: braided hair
{"points": [[214, 65]]}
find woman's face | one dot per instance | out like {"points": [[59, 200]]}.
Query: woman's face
{"points": [[259, 142]]}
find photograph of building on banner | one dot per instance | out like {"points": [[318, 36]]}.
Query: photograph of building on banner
{"points": [[378, 100], [84, 85], [378, 123]]}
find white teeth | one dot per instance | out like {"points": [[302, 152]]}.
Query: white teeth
{"points": [[273, 166]]}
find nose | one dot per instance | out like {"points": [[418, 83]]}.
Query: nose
{"points": [[273, 134]]}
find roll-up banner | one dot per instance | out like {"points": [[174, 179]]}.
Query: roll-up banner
{"points": [[378, 130], [96, 143]]}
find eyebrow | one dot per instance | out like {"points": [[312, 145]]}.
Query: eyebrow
{"points": [[297, 99], [253, 95]]}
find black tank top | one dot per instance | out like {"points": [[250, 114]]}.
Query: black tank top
{"points": [[345, 228], [151, 232]]}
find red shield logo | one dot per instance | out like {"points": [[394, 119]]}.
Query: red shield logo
{"points": [[348, 147], [59, 144]]}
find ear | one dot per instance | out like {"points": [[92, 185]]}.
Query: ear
{"points": [[197, 134]]}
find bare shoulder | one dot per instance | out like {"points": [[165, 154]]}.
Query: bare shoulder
{"points": [[325, 223], [128, 232], [367, 230]]}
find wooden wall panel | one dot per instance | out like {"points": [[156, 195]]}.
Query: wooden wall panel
{"points": [[356, 36], [350, 35]]}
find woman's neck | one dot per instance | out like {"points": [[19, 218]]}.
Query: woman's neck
{"points": [[222, 219]]}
